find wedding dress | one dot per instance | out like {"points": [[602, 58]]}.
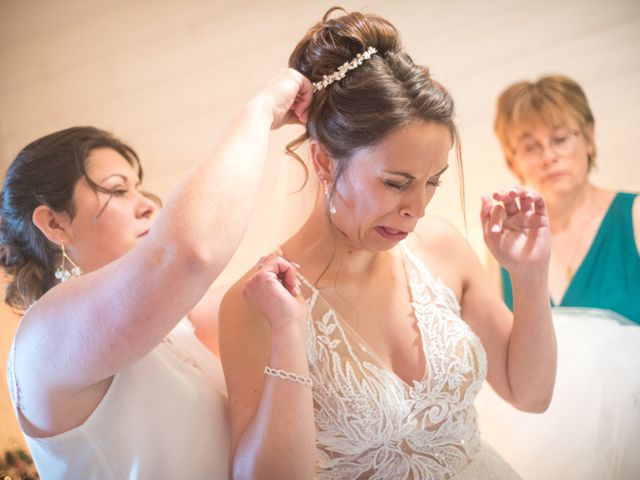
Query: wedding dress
{"points": [[371, 424]]}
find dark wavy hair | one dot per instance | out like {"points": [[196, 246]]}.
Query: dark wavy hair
{"points": [[45, 172]]}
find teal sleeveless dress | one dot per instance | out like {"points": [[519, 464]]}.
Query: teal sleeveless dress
{"points": [[609, 276]]}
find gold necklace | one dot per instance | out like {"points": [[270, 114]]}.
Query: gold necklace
{"points": [[588, 213], [567, 267], [570, 271]]}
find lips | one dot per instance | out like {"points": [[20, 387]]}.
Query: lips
{"points": [[554, 175], [391, 233]]}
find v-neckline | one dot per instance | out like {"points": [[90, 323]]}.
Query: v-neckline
{"points": [[590, 250], [364, 344]]}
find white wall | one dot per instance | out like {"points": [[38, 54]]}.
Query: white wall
{"points": [[167, 75]]}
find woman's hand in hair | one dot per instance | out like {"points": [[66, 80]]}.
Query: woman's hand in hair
{"points": [[288, 96]]}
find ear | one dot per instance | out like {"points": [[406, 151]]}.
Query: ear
{"points": [[321, 161], [54, 225], [588, 136]]}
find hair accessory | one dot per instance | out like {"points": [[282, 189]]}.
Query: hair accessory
{"points": [[327, 195], [62, 273], [274, 372], [342, 70]]}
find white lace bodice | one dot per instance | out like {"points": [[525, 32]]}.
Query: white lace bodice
{"points": [[369, 422]]}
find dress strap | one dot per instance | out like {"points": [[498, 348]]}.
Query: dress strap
{"points": [[314, 291], [311, 300], [12, 378], [416, 265], [426, 287], [14, 388]]}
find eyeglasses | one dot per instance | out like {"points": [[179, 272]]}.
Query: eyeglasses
{"points": [[561, 143]]}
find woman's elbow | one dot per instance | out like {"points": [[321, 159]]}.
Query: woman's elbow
{"points": [[535, 404], [250, 471]]}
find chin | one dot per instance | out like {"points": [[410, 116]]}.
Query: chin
{"points": [[557, 189], [383, 245], [557, 185]]}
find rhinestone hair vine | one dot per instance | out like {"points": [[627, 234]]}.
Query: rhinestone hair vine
{"points": [[342, 70]]}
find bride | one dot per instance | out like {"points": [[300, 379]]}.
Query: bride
{"points": [[368, 366]]}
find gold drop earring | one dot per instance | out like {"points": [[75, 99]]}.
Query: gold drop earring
{"points": [[62, 273]]}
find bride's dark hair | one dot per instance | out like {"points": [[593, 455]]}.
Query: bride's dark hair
{"points": [[386, 92]]}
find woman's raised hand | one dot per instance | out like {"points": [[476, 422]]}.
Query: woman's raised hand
{"points": [[288, 96], [516, 229]]}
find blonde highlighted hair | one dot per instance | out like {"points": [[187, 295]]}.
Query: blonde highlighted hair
{"points": [[549, 100]]}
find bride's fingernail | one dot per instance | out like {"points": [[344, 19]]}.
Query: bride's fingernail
{"points": [[496, 229]]}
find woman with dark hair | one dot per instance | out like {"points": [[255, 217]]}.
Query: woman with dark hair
{"points": [[106, 380], [547, 132], [371, 371]]}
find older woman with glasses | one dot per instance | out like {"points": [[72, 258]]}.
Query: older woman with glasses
{"points": [[546, 130]]}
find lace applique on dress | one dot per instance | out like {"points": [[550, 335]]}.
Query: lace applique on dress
{"points": [[369, 422]]}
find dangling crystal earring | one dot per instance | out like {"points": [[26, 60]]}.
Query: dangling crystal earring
{"points": [[327, 195], [62, 273]]}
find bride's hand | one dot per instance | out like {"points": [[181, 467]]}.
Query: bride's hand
{"points": [[516, 230], [274, 290]]}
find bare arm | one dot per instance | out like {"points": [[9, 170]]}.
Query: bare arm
{"points": [[521, 349], [85, 330], [272, 424], [204, 317], [492, 268]]}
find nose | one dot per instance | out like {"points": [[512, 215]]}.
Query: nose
{"points": [[147, 206], [414, 204], [548, 155]]}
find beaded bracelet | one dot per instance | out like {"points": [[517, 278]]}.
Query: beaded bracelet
{"points": [[274, 372]]}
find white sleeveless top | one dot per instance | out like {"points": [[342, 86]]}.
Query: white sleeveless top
{"points": [[370, 423], [163, 417]]}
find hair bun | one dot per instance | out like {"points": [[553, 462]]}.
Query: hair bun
{"points": [[334, 41]]}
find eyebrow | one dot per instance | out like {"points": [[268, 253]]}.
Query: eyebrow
{"points": [[411, 177], [553, 129], [123, 177]]}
